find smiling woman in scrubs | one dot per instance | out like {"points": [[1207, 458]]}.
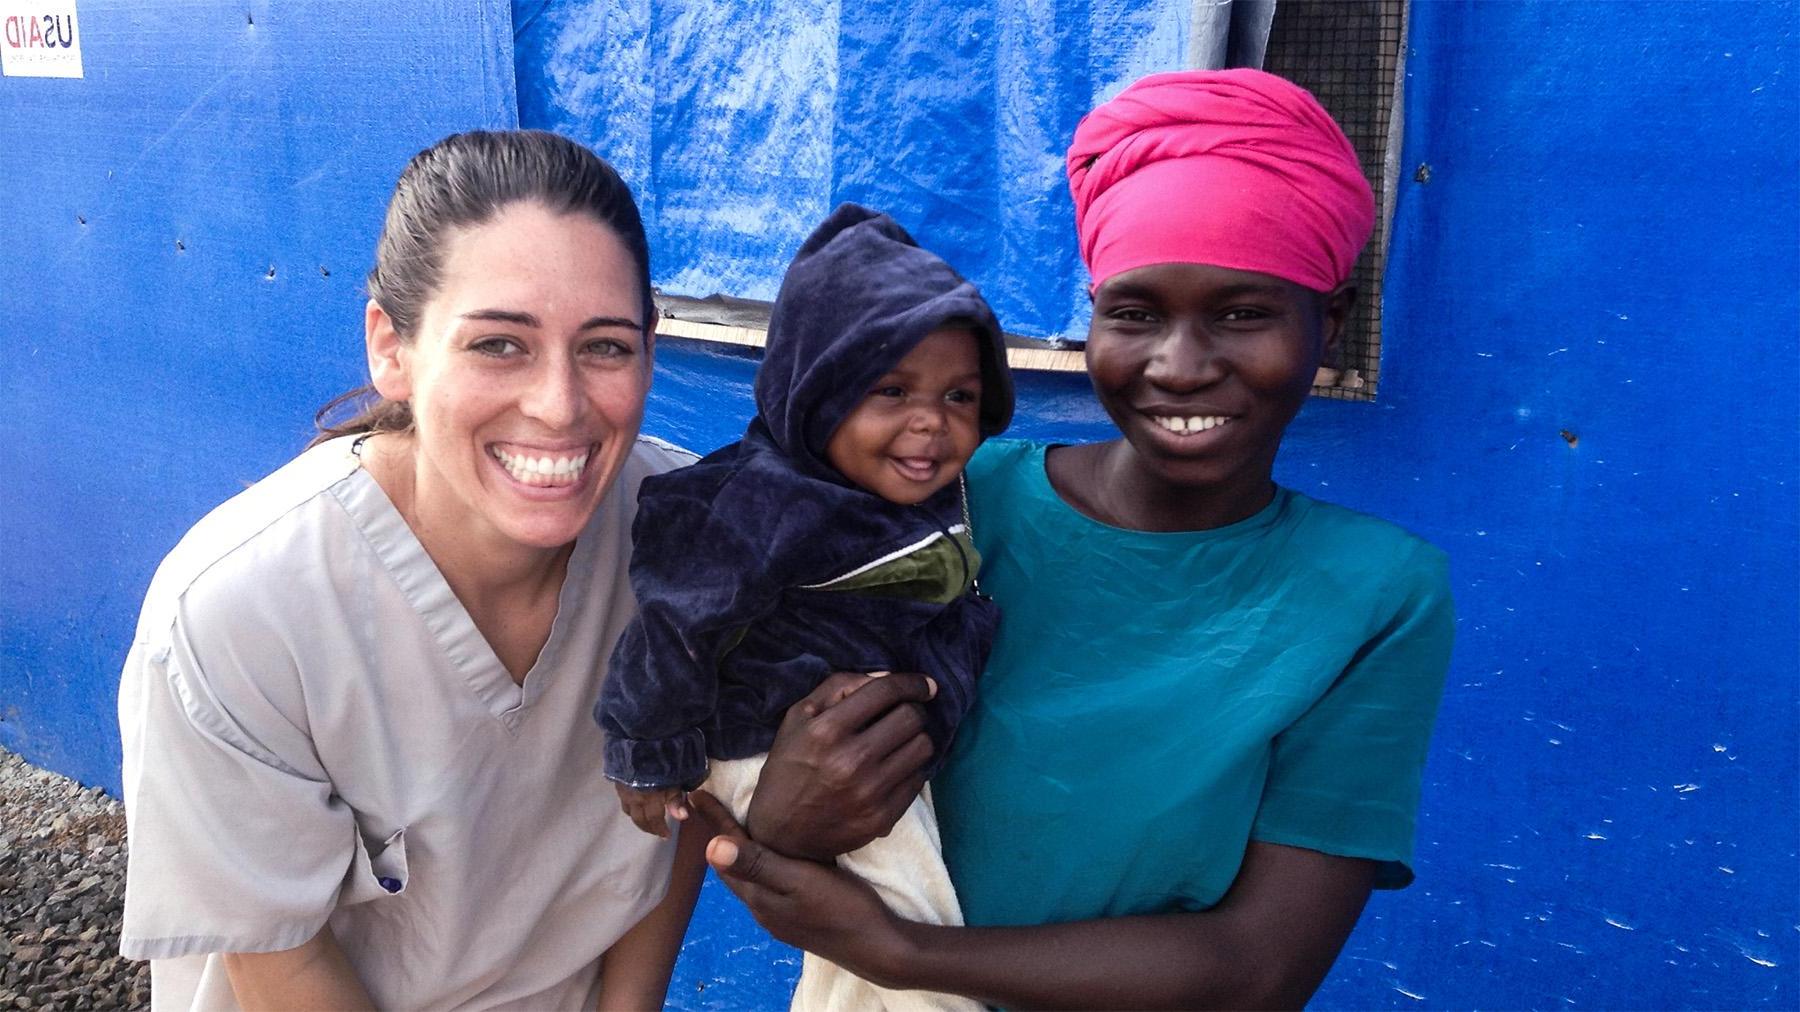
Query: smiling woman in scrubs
{"points": [[359, 767]]}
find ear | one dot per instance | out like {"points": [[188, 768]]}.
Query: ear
{"points": [[1334, 312], [387, 354]]}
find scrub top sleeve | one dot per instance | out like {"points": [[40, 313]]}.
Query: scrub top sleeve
{"points": [[236, 840], [1344, 778]]}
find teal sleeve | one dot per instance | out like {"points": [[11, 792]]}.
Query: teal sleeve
{"points": [[1344, 778]]}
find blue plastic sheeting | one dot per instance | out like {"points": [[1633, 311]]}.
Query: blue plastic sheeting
{"points": [[743, 124], [186, 233], [1592, 308]]}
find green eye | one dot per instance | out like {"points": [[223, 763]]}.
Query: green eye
{"points": [[495, 347], [609, 348]]}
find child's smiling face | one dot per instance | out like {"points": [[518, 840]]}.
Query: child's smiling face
{"points": [[919, 423]]}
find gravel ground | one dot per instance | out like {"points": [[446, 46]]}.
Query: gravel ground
{"points": [[62, 887]]}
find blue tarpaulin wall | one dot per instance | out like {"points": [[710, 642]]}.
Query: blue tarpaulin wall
{"points": [[743, 124], [1589, 385], [185, 234]]}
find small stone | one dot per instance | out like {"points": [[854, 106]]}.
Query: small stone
{"points": [[28, 953]]}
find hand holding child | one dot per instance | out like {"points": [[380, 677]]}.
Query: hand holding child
{"points": [[814, 906], [844, 766]]}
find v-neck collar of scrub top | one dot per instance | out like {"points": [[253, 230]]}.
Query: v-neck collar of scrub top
{"points": [[424, 587]]}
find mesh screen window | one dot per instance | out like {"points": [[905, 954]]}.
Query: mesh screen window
{"points": [[1348, 54]]}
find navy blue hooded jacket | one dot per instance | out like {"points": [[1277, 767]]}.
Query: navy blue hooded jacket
{"points": [[752, 568]]}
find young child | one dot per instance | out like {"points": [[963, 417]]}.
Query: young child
{"points": [[833, 537]]}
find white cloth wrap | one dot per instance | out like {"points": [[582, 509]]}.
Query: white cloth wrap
{"points": [[906, 868]]}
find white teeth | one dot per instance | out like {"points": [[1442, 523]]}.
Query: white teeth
{"points": [[1190, 424], [542, 471]]}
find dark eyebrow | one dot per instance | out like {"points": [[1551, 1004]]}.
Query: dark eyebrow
{"points": [[528, 320], [502, 316], [1252, 288], [973, 375], [611, 321], [1132, 290], [1126, 290]]}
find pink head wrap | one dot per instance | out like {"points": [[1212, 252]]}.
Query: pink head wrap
{"points": [[1235, 168]]}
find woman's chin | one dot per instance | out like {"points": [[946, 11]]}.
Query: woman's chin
{"points": [[547, 534], [1181, 465], [541, 523]]}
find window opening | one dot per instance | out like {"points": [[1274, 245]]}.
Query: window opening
{"points": [[1351, 55]]}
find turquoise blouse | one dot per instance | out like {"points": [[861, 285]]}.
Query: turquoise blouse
{"points": [[1157, 700]]}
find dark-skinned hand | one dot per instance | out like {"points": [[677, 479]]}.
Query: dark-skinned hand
{"points": [[809, 905], [845, 765]]}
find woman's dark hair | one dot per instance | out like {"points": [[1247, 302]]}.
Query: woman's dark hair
{"points": [[463, 181]]}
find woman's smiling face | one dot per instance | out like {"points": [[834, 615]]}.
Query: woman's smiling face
{"points": [[526, 378], [1202, 368]]}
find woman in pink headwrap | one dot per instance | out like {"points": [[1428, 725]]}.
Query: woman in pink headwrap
{"points": [[1200, 736]]}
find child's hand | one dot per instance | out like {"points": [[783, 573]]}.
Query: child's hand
{"points": [[652, 808]]}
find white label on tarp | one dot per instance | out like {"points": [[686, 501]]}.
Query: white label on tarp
{"points": [[39, 38]]}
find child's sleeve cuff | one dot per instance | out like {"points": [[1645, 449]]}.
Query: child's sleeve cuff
{"points": [[645, 763]]}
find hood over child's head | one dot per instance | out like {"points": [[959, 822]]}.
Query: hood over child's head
{"points": [[859, 296]]}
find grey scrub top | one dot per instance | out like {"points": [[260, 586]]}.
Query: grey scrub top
{"points": [[315, 732]]}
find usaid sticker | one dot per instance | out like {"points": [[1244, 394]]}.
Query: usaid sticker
{"points": [[39, 38]]}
